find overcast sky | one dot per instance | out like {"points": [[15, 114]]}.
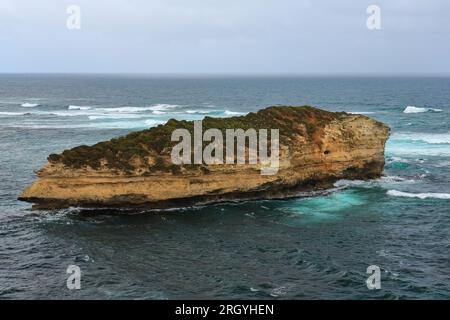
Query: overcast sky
{"points": [[226, 36]]}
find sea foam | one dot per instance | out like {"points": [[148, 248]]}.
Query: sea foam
{"points": [[384, 180], [397, 193]]}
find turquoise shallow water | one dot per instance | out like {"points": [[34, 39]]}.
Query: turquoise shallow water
{"points": [[316, 246]]}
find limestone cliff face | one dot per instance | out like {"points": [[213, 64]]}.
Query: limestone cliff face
{"points": [[316, 149]]}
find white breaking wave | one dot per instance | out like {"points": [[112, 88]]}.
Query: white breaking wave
{"points": [[397, 193], [199, 111], [360, 112], [114, 116], [12, 114], [152, 122], [163, 106], [128, 124], [397, 159], [78, 108], [105, 113], [157, 107], [233, 113], [344, 183], [394, 180], [73, 113], [412, 109], [29, 105], [94, 125], [124, 109]]}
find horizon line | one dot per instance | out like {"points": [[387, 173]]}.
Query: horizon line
{"points": [[239, 74]]}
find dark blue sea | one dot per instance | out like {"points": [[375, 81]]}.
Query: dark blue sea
{"points": [[314, 247]]}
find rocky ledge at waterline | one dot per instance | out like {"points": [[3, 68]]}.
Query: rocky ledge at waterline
{"points": [[316, 148]]}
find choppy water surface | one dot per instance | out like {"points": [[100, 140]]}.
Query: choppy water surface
{"points": [[311, 247]]}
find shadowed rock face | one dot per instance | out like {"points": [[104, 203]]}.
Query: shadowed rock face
{"points": [[317, 148]]}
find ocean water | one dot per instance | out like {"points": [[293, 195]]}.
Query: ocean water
{"points": [[316, 246]]}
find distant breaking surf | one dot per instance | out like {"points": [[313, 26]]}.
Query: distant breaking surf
{"points": [[29, 105], [361, 112], [412, 109], [78, 108]]}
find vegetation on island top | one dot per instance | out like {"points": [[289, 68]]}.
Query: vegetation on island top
{"points": [[118, 153]]}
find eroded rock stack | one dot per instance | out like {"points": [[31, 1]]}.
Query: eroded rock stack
{"points": [[317, 148]]}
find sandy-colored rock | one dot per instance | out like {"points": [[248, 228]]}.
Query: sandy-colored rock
{"points": [[316, 149]]}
